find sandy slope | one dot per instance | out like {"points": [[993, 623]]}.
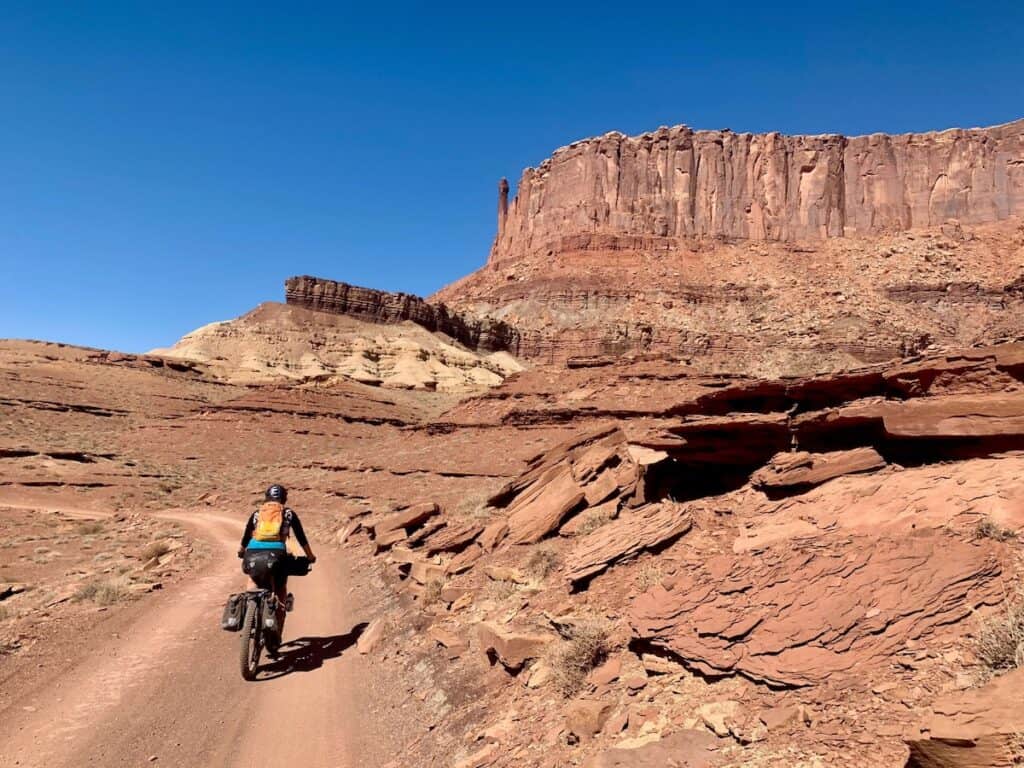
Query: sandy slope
{"points": [[169, 688], [278, 342]]}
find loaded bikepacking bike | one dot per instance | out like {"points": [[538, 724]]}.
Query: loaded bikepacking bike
{"points": [[254, 615]]}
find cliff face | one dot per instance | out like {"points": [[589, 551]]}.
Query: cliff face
{"points": [[648, 192], [479, 334]]}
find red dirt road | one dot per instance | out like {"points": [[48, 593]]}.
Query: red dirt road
{"points": [[167, 690]]}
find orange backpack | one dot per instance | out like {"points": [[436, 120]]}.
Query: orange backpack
{"points": [[270, 522]]}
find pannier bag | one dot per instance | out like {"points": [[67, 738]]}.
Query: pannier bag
{"points": [[298, 566], [234, 613]]}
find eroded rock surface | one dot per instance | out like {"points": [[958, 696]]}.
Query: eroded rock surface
{"points": [[802, 615]]}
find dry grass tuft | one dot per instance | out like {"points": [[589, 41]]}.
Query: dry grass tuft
{"points": [[542, 561], [499, 591], [90, 528], [586, 649], [102, 593], [432, 592], [592, 522], [989, 529], [650, 576], [1000, 641]]}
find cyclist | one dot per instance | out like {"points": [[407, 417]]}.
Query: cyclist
{"points": [[263, 549]]}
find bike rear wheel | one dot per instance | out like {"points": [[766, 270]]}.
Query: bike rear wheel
{"points": [[251, 641]]}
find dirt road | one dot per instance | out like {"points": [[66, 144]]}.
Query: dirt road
{"points": [[167, 690]]}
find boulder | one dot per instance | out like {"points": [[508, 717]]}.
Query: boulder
{"points": [[607, 672], [389, 538], [775, 718], [540, 514], [447, 639], [719, 715], [602, 488], [643, 529], [370, 637], [424, 572], [975, 728], [452, 538], [513, 648], [801, 470], [411, 517], [465, 559], [585, 718], [493, 534]]}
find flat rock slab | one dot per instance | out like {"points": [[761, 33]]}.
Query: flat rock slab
{"points": [[973, 729], [511, 647], [407, 518], [793, 616], [534, 519], [645, 528], [453, 538], [801, 469], [683, 749]]}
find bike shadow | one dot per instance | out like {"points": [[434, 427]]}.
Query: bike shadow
{"points": [[305, 654]]}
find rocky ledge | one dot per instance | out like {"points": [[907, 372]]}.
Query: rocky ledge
{"points": [[478, 334]]}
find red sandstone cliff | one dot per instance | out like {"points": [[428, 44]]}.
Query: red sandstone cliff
{"points": [[679, 183], [760, 253]]}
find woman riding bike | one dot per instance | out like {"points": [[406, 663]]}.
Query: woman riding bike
{"points": [[263, 550]]}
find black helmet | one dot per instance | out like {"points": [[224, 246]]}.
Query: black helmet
{"points": [[277, 493]]}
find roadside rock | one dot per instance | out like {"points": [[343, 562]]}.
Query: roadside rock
{"points": [[974, 729], [799, 616], [643, 529], [513, 648], [371, 636], [585, 718], [407, 518], [540, 514], [795, 471], [683, 749]]}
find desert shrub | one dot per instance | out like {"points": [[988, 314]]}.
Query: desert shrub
{"points": [[432, 592], [499, 591], [4, 613], [1000, 642], [155, 549], [542, 561], [989, 529], [90, 527], [587, 647], [101, 593], [650, 576]]}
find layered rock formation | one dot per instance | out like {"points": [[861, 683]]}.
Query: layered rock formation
{"points": [[275, 343], [480, 334], [760, 254], [647, 192]]}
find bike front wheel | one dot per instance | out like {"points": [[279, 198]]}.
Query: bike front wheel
{"points": [[251, 641]]}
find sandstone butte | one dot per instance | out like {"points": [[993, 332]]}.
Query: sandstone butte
{"points": [[716, 462], [680, 183]]}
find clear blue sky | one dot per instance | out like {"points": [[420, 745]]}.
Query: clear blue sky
{"points": [[167, 164]]}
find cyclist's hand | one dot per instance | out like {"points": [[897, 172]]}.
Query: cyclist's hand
{"points": [[241, 551], [312, 559]]}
